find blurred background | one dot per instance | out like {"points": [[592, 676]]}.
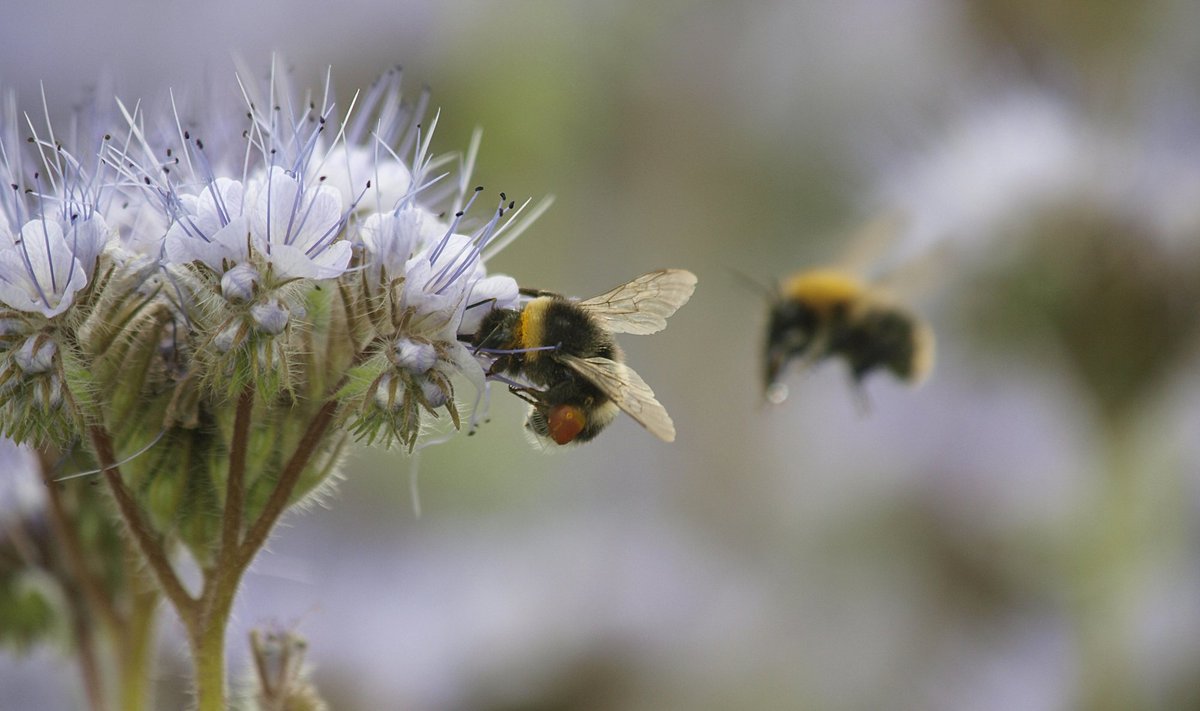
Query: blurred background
{"points": [[1019, 533]]}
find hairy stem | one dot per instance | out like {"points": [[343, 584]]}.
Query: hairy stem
{"points": [[149, 546], [68, 539], [235, 485], [89, 668], [208, 660], [288, 479], [136, 647]]}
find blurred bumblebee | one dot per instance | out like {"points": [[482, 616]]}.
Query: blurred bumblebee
{"points": [[564, 349], [831, 313]]}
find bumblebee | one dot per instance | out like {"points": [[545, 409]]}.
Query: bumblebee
{"points": [[577, 380], [829, 313]]}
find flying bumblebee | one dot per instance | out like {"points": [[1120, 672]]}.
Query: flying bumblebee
{"points": [[831, 313], [564, 349]]}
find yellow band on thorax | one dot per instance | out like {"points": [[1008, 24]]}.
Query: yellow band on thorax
{"points": [[821, 288], [531, 325]]}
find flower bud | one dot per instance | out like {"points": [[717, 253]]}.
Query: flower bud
{"points": [[228, 338], [270, 317], [11, 327], [435, 393], [36, 355], [414, 356], [385, 395], [238, 284]]}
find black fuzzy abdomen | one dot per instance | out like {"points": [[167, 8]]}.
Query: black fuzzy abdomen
{"points": [[575, 332], [879, 338]]}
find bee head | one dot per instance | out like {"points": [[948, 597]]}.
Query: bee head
{"points": [[791, 329], [498, 329]]}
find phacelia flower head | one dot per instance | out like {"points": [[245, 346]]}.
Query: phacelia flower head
{"points": [[282, 241]]}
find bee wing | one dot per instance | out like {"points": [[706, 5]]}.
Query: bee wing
{"points": [[627, 389], [643, 305]]}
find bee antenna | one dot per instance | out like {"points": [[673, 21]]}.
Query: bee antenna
{"points": [[770, 292], [491, 300]]}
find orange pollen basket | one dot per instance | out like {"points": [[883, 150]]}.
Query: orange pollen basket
{"points": [[565, 422]]}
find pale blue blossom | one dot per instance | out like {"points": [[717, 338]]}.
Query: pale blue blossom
{"points": [[211, 227], [297, 227], [51, 261]]}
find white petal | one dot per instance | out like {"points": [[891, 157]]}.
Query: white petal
{"points": [[87, 239], [349, 169], [292, 263], [496, 292], [50, 257], [226, 247], [285, 215]]}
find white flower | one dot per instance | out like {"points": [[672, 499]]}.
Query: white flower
{"points": [[437, 284], [296, 227], [211, 227], [349, 169], [498, 291], [139, 228], [390, 238], [48, 265]]}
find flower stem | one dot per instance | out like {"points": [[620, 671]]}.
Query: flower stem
{"points": [[135, 648], [282, 494], [235, 485], [68, 539], [208, 661], [85, 648], [142, 533]]}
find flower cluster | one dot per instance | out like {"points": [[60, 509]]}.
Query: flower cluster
{"points": [[207, 310], [317, 266], [296, 250]]}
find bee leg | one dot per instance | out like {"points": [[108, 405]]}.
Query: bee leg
{"points": [[530, 395]]}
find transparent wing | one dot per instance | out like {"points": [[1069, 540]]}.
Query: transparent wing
{"points": [[643, 305], [627, 389]]}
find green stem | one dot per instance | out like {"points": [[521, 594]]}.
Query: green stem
{"points": [[143, 533], [1108, 575], [85, 642], [288, 478], [136, 657], [208, 661]]}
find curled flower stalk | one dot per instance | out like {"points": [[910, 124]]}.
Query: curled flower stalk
{"points": [[210, 309]]}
